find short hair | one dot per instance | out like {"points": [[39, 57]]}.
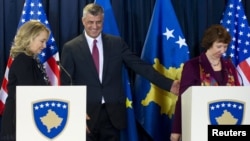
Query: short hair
{"points": [[25, 34], [215, 33], [93, 9]]}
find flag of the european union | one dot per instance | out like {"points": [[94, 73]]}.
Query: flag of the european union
{"points": [[109, 25], [166, 49]]}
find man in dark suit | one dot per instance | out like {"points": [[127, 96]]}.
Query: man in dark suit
{"points": [[106, 110]]}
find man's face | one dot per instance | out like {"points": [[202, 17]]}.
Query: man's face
{"points": [[93, 24]]}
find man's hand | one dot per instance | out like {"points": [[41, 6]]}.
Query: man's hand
{"points": [[175, 137], [175, 87]]}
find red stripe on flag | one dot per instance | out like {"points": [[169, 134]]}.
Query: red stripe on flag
{"points": [[4, 85], [1, 107], [54, 67], [10, 60], [4, 91], [245, 69]]}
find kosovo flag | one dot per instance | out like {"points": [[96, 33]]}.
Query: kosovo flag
{"points": [[166, 49], [110, 26]]}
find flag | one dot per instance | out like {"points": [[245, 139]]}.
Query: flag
{"points": [[130, 133], [166, 49], [33, 10], [110, 27], [235, 21]]}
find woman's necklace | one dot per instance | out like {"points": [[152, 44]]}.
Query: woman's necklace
{"points": [[212, 61], [217, 64], [42, 69]]}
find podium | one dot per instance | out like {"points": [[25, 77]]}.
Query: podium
{"points": [[55, 113], [213, 105]]}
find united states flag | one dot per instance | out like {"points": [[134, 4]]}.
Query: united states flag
{"points": [[235, 20], [33, 10]]}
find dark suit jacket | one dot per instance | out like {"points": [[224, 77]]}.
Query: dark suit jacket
{"points": [[191, 77], [77, 60], [23, 71]]}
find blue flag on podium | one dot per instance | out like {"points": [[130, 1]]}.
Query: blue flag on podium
{"points": [[110, 27], [166, 49], [235, 21]]}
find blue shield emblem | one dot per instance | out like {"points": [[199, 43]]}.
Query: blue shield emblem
{"points": [[226, 112], [50, 116]]}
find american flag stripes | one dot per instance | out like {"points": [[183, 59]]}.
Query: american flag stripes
{"points": [[33, 10], [235, 20]]}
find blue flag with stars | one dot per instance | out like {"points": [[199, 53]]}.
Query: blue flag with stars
{"points": [[110, 27], [166, 49], [235, 21]]}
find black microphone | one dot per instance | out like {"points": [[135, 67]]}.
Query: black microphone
{"points": [[67, 73], [241, 79]]}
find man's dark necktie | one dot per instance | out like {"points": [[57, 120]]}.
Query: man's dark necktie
{"points": [[95, 55]]}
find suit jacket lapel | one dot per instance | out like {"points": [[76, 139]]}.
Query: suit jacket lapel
{"points": [[106, 50]]}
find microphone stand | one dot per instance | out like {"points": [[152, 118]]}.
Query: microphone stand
{"points": [[67, 73]]}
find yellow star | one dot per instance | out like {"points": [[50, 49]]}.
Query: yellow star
{"points": [[128, 103]]}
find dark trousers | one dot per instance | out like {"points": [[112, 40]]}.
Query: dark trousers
{"points": [[104, 130]]}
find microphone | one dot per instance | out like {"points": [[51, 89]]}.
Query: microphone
{"points": [[67, 73], [241, 79]]}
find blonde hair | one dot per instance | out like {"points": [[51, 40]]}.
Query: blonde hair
{"points": [[25, 35]]}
